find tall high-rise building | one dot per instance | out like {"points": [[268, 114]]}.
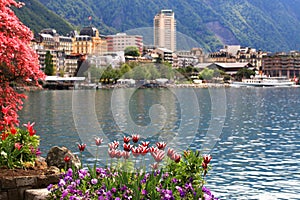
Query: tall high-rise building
{"points": [[165, 30]]}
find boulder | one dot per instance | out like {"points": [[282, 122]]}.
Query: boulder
{"points": [[56, 157]]}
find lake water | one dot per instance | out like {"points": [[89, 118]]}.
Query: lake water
{"points": [[253, 134]]}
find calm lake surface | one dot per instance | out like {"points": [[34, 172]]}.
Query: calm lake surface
{"points": [[253, 134]]}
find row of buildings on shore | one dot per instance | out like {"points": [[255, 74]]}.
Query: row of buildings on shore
{"points": [[103, 50]]}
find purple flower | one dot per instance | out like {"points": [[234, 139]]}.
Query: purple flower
{"points": [[167, 194], [174, 180], [144, 192], [64, 193], [49, 187], [61, 183], [181, 191], [113, 190], [70, 172], [166, 175], [94, 181], [123, 188]]}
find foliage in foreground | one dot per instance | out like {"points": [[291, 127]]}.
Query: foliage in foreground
{"points": [[19, 147], [181, 178]]}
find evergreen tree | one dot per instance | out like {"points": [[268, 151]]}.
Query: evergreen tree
{"points": [[49, 68]]}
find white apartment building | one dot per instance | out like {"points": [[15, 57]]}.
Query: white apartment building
{"points": [[165, 30]]}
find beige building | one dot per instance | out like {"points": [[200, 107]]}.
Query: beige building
{"points": [[89, 42], [120, 41], [165, 30]]}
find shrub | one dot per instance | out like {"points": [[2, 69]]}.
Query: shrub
{"points": [[19, 147]]}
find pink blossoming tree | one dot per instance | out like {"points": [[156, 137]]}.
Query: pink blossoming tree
{"points": [[19, 65]]}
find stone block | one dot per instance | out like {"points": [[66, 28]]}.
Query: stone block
{"points": [[3, 196], [8, 183], [44, 181], [25, 181], [36, 194], [14, 194]]}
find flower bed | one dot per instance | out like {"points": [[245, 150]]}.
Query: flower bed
{"points": [[181, 177]]}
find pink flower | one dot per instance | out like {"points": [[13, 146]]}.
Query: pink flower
{"points": [[98, 141], [161, 145], [111, 153], [81, 147], [126, 139], [30, 128], [154, 165], [158, 155], [118, 154], [18, 146], [170, 152], [176, 157], [5, 109], [113, 145], [153, 149], [135, 138]]}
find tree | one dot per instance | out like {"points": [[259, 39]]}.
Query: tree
{"points": [[206, 74], [244, 73], [18, 64], [49, 68], [132, 51]]}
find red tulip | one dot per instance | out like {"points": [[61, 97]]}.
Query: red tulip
{"points": [[126, 139], [127, 147], [13, 130], [161, 145], [81, 147], [98, 141], [4, 136], [144, 150], [67, 159], [207, 158], [135, 151], [135, 138], [145, 144]]}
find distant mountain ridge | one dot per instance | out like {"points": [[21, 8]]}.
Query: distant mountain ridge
{"points": [[270, 25], [36, 16]]}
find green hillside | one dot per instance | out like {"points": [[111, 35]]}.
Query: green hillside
{"points": [[271, 25], [37, 17]]}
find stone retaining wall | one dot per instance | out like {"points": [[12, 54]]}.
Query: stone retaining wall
{"points": [[13, 188]]}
